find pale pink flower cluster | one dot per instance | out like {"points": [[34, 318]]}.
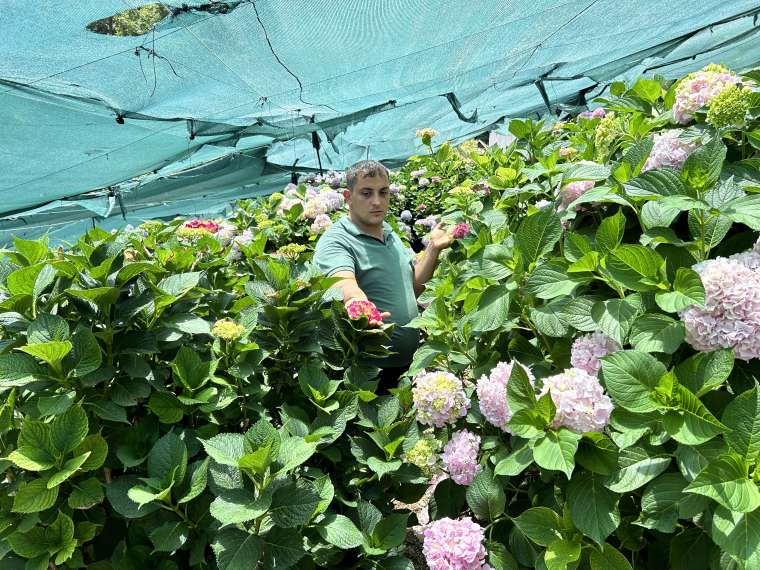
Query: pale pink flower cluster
{"points": [[245, 238], [323, 202], [439, 398], [581, 403], [358, 308], [320, 224], [492, 394], [587, 350], [454, 544], [698, 88], [418, 173], [460, 457], [669, 151], [225, 233], [572, 191], [731, 315], [597, 113]]}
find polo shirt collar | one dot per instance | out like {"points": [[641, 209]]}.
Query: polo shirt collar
{"points": [[354, 231]]}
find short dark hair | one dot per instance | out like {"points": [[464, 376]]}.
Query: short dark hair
{"points": [[369, 168]]}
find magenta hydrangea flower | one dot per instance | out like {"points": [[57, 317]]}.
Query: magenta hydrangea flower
{"points": [[358, 308], [208, 225], [439, 398], [454, 544], [698, 88], [460, 230], [580, 400], [460, 457], [731, 315], [669, 151], [587, 350], [492, 394]]}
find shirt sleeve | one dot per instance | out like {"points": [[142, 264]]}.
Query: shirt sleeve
{"points": [[331, 256]]}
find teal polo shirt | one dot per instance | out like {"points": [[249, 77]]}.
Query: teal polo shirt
{"points": [[384, 270]]}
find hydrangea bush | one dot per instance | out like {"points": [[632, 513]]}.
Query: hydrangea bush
{"points": [[193, 394]]}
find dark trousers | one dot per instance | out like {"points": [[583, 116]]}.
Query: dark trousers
{"points": [[389, 379]]}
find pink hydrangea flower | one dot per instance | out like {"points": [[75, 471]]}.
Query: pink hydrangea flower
{"points": [[208, 225], [597, 113], [587, 350], [321, 223], [581, 403], [669, 151], [439, 398], [358, 308], [572, 191], [435, 179], [454, 544], [492, 394], [423, 182], [698, 88], [731, 315], [460, 457], [225, 233], [460, 230], [566, 151], [418, 173]]}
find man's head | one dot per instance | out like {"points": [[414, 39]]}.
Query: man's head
{"points": [[368, 193]]}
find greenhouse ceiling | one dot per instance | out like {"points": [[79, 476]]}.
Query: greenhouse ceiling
{"points": [[223, 100]]}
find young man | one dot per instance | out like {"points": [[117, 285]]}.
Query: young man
{"points": [[374, 264]]}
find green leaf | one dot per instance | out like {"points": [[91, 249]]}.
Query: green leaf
{"points": [[197, 478], [609, 558], [560, 553], [593, 508], [548, 318], [69, 429], [109, 410], [637, 466], [687, 290], [169, 536], [32, 458], [96, 446], [745, 210], [654, 332], [630, 377], [55, 404], [705, 371], [693, 459], [726, 481], [499, 557], [691, 423], [540, 524], [736, 533], [190, 369], [293, 504], [86, 494], [22, 281], [167, 460], [582, 171], [664, 502], [45, 278], [609, 234], [742, 417], [702, 169], [52, 352], [33, 251], [188, 323], [537, 235], [383, 468], [293, 452], [166, 407], [648, 90], [485, 496], [656, 214], [29, 544], [550, 280], [236, 506], [68, 469], [515, 463], [390, 532], [46, 328], [117, 494], [283, 548], [690, 550], [520, 392], [85, 356], [369, 516], [236, 550], [614, 318], [103, 297], [635, 267], [34, 496], [340, 531], [556, 451], [659, 182], [492, 312], [180, 283]]}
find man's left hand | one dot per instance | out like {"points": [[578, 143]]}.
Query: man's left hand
{"points": [[440, 238]]}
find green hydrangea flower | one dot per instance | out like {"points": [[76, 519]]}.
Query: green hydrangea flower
{"points": [[424, 454], [227, 329], [608, 131], [729, 107], [292, 250]]}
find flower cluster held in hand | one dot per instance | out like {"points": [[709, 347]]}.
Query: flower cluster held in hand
{"points": [[208, 225], [439, 397], [581, 403], [587, 350], [492, 394], [358, 308], [460, 230], [460, 457], [451, 544]]}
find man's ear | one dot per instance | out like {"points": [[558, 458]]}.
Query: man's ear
{"points": [[346, 194]]}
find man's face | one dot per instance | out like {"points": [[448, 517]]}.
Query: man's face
{"points": [[369, 200]]}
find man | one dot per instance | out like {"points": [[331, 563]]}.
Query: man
{"points": [[374, 265]]}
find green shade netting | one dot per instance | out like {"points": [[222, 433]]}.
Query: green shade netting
{"points": [[221, 99]]}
